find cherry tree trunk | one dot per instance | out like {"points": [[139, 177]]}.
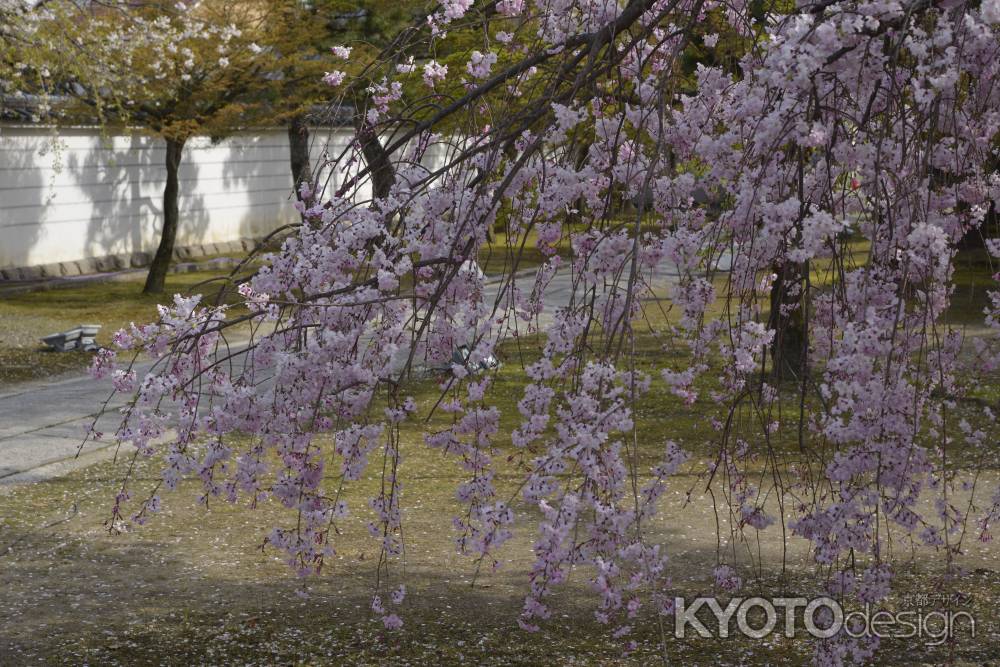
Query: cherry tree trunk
{"points": [[298, 153], [382, 173], [788, 319], [161, 261]]}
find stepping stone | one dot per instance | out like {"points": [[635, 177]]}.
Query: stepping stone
{"points": [[81, 337]]}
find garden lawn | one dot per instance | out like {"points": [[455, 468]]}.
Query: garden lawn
{"points": [[194, 585]]}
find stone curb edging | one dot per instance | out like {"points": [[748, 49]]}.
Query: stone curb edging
{"points": [[45, 284], [55, 469], [18, 286], [118, 262]]}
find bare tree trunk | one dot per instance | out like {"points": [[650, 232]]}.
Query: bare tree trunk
{"points": [[298, 153], [161, 261], [383, 175], [790, 349]]}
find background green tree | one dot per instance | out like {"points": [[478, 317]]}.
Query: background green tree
{"points": [[174, 71]]}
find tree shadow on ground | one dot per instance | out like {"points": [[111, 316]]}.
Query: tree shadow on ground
{"points": [[193, 587]]}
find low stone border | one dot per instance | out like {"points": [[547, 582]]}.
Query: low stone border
{"points": [[42, 284], [120, 262]]}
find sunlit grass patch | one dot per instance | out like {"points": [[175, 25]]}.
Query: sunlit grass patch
{"points": [[27, 316]]}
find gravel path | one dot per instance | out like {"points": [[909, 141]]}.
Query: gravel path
{"points": [[42, 425]]}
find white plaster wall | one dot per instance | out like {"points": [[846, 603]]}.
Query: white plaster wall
{"points": [[71, 194]]}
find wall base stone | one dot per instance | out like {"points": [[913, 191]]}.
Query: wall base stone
{"points": [[70, 268], [52, 270], [119, 262], [140, 259]]}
